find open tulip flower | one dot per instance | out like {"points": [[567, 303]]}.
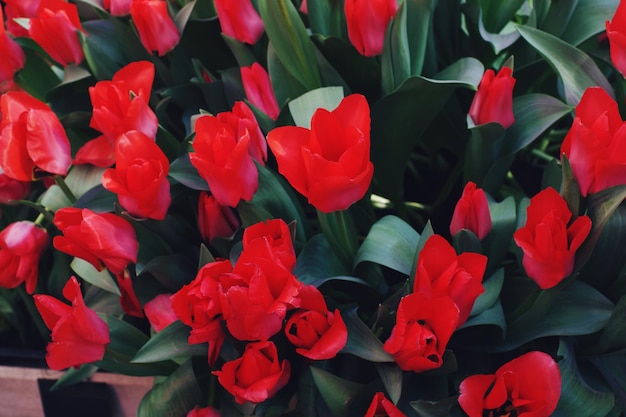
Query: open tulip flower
{"points": [[319, 208]]}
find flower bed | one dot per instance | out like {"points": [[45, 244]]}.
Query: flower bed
{"points": [[347, 208]]}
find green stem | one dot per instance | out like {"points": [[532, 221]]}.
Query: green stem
{"points": [[66, 190], [339, 229]]}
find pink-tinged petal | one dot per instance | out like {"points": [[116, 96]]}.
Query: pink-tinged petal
{"points": [[156, 28], [286, 144], [51, 309], [15, 161], [137, 76], [239, 20], [98, 152], [65, 354], [47, 143], [258, 87]]}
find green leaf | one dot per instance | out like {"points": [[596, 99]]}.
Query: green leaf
{"points": [[486, 328], [501, 40], [400, 119], [390, 242], [182, 171], [443, 408], [391, 376], [613, 369], [613, 336], [288, 35], [534, 113], [588, 19], [419, 14], [336, 392], [503, 225], [174, 397], [73, 376], [303, 107], [101, 279], [98, 199], [309, 267], [576, 69], [496, 14], [576, 309], [600, 207], [286, 86], [169, 343], [492, 286], [36, 77], [483, 150], [395, 62], [577, 398], [362, 342]]}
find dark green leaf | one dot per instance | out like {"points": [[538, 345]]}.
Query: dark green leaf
{"points": [[173, 397], [486, 300], [575, 68], [496, 14], [483, 150], [36, 77], [400, 119], [286, 86], [444, 408], [169, 343], [336, 392], [101, 279], [362, 342], [98, 199], [318, 261], [290, 40], [395, 62], [185, 173], [588, 19], [577, 398], [613, 369], [613, 336], [576, 309], [73, 376], [391, 376], [503, 225], [390, 242]]}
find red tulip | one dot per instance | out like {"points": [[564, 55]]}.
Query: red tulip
{"points": [[119, 106], [21, 246], [257, 375], [55, 28], [13, 57], [367, 22], [11, 189], [527, 386], [204, 412], [271, 239], [304, 7], [102, 239], [595, 144], [441, 272], [548, 240], [159, 312], [493, 101], [32, 138], [79, 336], [616, 32], [140, 176], [258, 88], [224, 147], [471, 212], [198, 305], [382, 407], [316, 333], [118, 7], [239, 20], [15, 9], [330, 163], [422, 331], [256, 297], [156, 28], [128, 299], [215, 220]]}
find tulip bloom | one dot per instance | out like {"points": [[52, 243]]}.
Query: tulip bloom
{"points": [[102, 239], [381, 406], [529, 385], [156, 28], [11, 189], [13, 57], [595, 145], [159, 312], [422, 331], [367, 22], [203, 412], [471, 212], [317, 333], [330, 163], [199, 305], [54, 28], [128, 299], [140, 176], [548, 240], [21, 246], [14, 9], [79, 336], [32, 138], [441, 272], [215, 220], [239, 20], [225, 147], [118, 7], [271, 239], [257, 375], [616, 32], [493, 101], [119, 106], [258, 87]]}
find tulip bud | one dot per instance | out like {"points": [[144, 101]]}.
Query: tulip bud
{"points": [[493, 101]]}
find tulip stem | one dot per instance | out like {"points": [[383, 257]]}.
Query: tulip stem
{"points": [[66, 190], [339, 229], [34, 313]]}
